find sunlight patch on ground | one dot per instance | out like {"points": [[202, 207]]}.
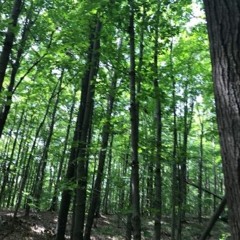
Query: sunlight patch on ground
{"points": [[38, 229]]}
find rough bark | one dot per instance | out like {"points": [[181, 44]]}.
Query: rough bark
{"points": [[223, 24]]}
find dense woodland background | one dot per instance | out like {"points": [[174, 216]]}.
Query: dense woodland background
{"points": [[107, 107]]}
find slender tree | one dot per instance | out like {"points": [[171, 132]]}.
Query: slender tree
{"points": [[158, 135], [106, 131], [80, 140], [82, 161], [40, 173], [134, 113], [200, 173], [54, 201], [174, 153]]}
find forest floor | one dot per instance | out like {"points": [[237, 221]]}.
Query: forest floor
{"points": [[42, 226]]}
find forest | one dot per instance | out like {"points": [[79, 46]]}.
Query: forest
{"points": [[110, 114]]}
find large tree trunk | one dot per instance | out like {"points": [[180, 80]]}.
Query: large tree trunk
{"points": [[224, 33]]}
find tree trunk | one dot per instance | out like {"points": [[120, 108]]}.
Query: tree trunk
{"points": [[70, 174], [106, 209], [82, 162], [15, 66], [200, 174], [134, 113], [6, 174], [37, 187], [21, 156], [9, 39], [54, 201], [29, 159], [174, 156], [37, 192], [95, 201], [224, 34], [187, 121], [158, 136], [78, 143]]}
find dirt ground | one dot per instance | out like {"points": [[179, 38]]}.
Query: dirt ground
{"points": [[37, 226], [42, 226]]}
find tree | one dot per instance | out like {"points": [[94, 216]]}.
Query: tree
{"points": [[9, 40], [224, 35], [78, 157], [106, 132], [158, 135], [134, 113], [160, 67]]}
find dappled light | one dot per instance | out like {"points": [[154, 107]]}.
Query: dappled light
{"points": [[119, 119]]}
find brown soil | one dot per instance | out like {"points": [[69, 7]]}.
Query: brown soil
{"points": [[38, 226], [42, 226]]}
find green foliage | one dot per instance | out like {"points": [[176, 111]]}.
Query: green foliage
{"points": [[57, 42]]}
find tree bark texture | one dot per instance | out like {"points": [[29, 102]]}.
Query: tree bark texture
{"points": [[223, 22]]}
